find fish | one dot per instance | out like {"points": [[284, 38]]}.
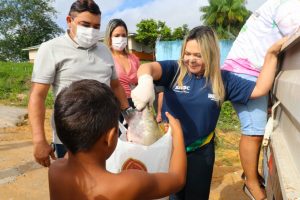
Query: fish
{"points": [[142, 127]]}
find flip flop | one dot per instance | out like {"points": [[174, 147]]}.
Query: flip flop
{"points": [[260, 179], [248, 193]]}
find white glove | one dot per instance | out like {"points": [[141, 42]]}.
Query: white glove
{"points": [[143, 93]]}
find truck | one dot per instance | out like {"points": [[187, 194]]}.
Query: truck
{"points": [[281, 143]]}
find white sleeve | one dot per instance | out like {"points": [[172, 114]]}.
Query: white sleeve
{"points": [[44, 65]]}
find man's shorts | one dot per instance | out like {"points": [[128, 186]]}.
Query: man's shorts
{"points": [[253, 115]]}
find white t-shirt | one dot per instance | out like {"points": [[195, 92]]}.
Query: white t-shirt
{"points": [[273, 20]]}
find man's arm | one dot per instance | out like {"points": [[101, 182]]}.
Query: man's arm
{"points": [[36, 109], [119, 92]]}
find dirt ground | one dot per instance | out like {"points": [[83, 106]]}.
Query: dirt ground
{"points": [[23, 179]]}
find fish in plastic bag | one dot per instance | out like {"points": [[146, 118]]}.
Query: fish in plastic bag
{"points": [[142, 127]]}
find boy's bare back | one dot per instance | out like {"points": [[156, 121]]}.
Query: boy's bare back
{"points": [[70, 180]]}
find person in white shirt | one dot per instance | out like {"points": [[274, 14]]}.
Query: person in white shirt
{"points": [[273, 20], [74, 56]]}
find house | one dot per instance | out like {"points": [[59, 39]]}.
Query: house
{"points": [[32, 52], [143, 52]]}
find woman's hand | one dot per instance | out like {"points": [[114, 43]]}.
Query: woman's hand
{"points": [[276, 47], [143, 93]]}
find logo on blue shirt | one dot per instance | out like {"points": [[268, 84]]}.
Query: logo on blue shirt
{"points": [[182, 89], [213, 97]]}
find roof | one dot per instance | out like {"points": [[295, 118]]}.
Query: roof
{"points": [[31, 48]]}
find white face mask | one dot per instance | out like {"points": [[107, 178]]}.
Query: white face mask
{"points": [[119, 43], [86, 37]]}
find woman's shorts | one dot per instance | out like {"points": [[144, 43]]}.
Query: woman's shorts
{"points": [[253, 115]]}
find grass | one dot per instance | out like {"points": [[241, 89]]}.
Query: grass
{"points": [[15, 84], [228, 136], [228, 119]]}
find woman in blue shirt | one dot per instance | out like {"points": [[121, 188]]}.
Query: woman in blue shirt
{"points": [[195, 89]]}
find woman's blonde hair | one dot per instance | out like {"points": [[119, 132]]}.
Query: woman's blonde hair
{"points": [[210, 52], [111, 26]]}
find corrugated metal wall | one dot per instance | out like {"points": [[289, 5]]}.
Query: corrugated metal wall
{"points": [[285, 139]]}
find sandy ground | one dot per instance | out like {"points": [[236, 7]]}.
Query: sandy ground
{"points": [[22, 179]]}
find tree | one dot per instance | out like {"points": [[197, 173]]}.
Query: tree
{"points": [[148, 31], [226, 16], [180, 32], [25, 23], [165, 33]]}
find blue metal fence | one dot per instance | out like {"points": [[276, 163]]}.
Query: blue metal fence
{"points": [[170, 50]]}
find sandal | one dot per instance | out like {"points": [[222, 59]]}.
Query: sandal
{"points": [[248, 193], [260, 179]]}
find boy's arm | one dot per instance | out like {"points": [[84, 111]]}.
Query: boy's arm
{"points": [[156, 185], [160, 97]]}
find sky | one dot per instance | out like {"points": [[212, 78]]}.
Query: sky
{"points": [[174, 12]]}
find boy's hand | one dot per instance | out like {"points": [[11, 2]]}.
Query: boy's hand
{"points": [[173, 123], [158, 117]]}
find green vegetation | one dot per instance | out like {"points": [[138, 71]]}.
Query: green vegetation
{"points": [[15, 84], [25, 24], [226, 16], [228, 119], [227, 136], [149, 30]]}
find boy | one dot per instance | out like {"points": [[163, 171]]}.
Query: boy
{"points": [[86, 117]]}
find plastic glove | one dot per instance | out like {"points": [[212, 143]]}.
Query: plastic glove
{"points": [[143, 93]]}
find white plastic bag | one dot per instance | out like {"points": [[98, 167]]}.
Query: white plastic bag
{"points": [[153, 158]]}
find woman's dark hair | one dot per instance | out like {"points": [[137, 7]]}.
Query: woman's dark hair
{"points": [[84, 112], [111, 26], [80, 6], [114, 23]]}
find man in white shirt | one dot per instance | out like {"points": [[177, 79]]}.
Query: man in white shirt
{"points": [[74, 56]]}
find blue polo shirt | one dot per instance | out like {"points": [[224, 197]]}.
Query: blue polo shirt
{"points": [[194, 103]]}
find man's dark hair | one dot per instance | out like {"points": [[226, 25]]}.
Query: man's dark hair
{"points": [[84, 112], [80, 6]]}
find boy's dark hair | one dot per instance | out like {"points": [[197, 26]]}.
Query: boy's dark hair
{"points": [[80, 6], [84, 112]]}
